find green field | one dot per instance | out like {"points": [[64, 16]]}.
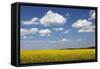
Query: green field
{"points": [[38, 56]]}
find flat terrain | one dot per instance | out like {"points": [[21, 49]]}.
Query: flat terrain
{"points": [[38, 56]]}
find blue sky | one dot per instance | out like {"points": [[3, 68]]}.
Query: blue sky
{"points": [[54, 28]]}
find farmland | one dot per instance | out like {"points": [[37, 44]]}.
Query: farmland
{"points": [[38, 56]]}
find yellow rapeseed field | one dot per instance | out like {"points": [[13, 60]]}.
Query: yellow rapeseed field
{"points": [[38, 56]]}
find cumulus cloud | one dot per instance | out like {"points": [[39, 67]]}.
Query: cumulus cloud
{"points": [[34, 20], [84, 25], [25, 32], [34, 30], [64, 40], [81, 23], [45, 32], [87, 29], [92, 15], [58, 29], [52, 18]]}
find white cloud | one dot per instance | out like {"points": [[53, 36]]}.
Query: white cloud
{"points": [[28, 31], [84, 25], [58, 29], [24, 31], [81, 23], [26, 37], [34, 30], [45, 32], [64, 40], [87, 29], [34, 20], [52, 18], [92, 15]]}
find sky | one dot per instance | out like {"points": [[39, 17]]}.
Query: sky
{"points": [[56, 28]]}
